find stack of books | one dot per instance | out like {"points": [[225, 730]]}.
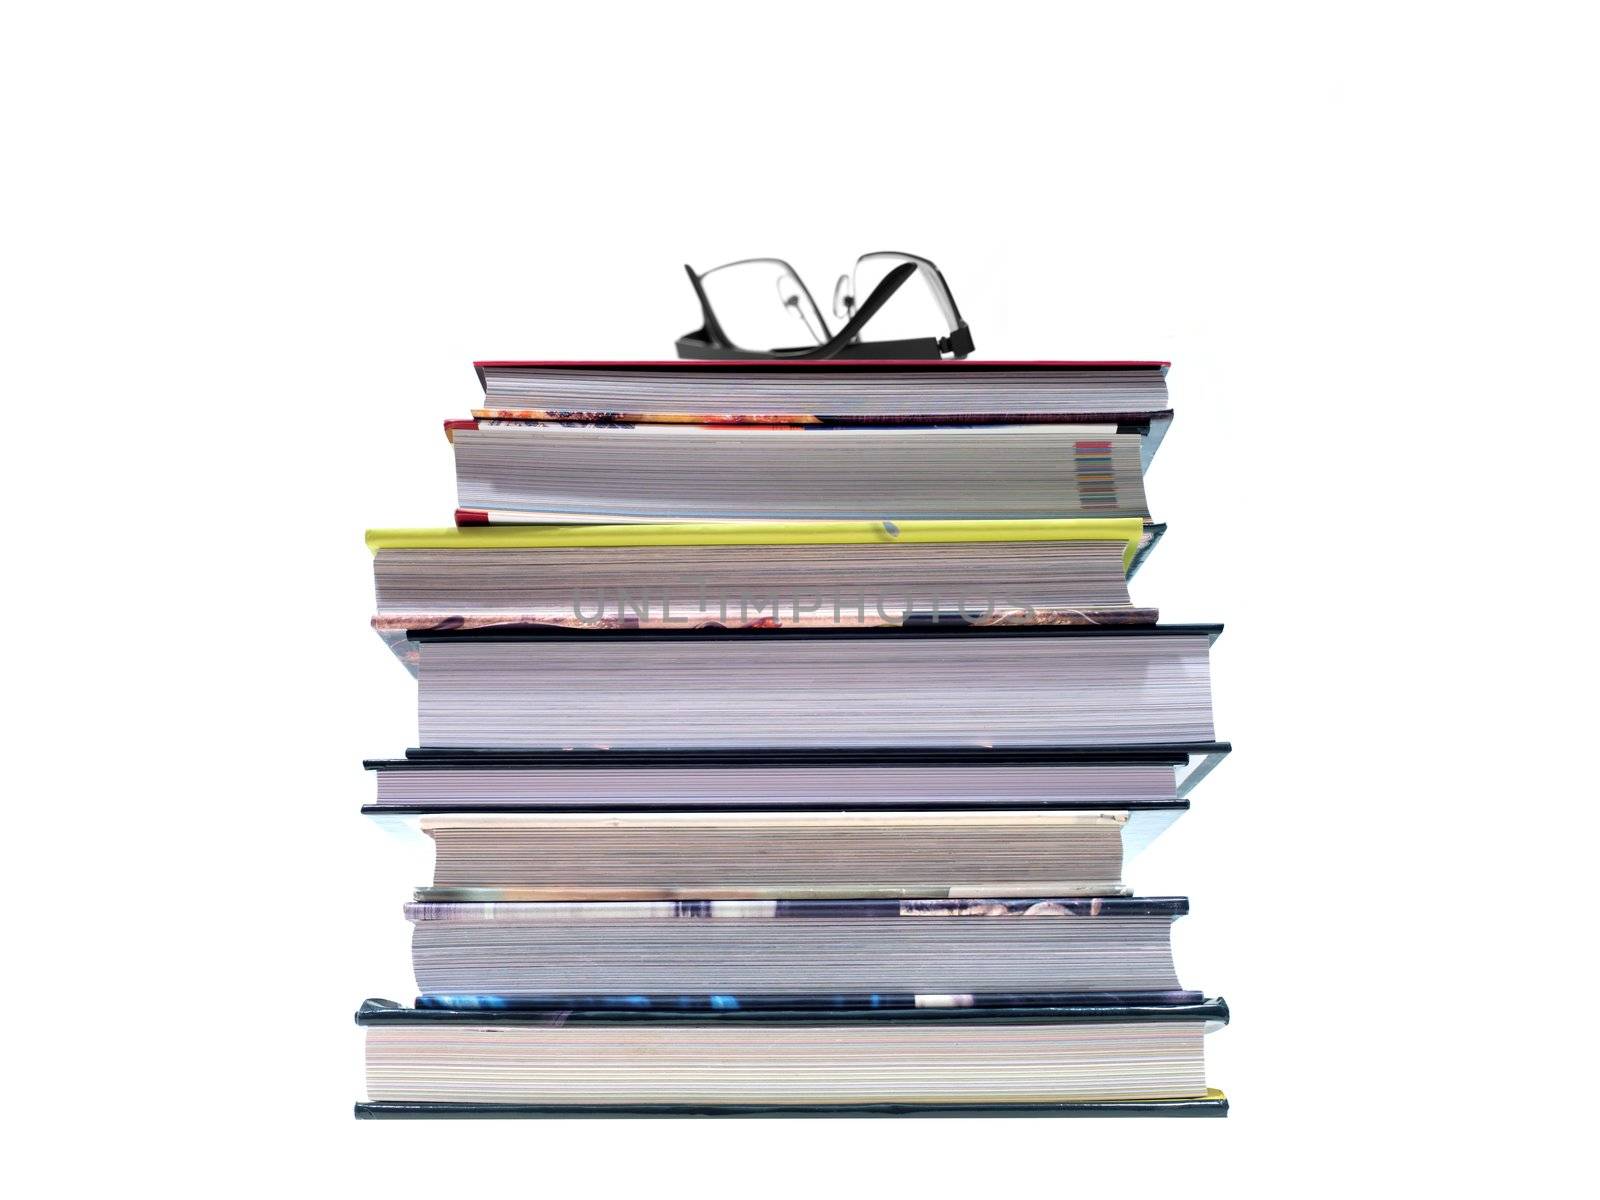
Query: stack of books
{"points": [[784, 731]]}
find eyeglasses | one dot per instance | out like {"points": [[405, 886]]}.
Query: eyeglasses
{"points": [[760, 308]]}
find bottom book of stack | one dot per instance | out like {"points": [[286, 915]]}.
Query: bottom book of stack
{"points": [[1019, 1055]]}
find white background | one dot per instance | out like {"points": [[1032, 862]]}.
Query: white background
{"points": [[250, 253]]}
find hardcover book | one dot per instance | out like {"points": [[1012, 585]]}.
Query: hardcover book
{"points": [[837, 392], [1113, 1059], [1032, 944], [934, 778], [906, 686], [785, 854]]}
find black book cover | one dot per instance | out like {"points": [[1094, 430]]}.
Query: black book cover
{"points": [[1212, 1104]]}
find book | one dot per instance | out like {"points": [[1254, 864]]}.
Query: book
{"points": [[518, 471], [1127, 777], [1012, 944], [905, 686], [1213, 1104], [836, 392], [785, 854], [1109, 1059], [694, 1002], [762, 574]]}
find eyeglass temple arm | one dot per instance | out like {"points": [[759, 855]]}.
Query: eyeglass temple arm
{"points": [[959, 342]]}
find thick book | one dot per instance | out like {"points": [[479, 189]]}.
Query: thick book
{"points": [[904, 686], [756, 574], [678, 854], [1065, 1059], [518, 471], [943, 947]]}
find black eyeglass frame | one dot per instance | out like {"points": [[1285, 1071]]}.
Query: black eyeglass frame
{"points": [[709, 342]]}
